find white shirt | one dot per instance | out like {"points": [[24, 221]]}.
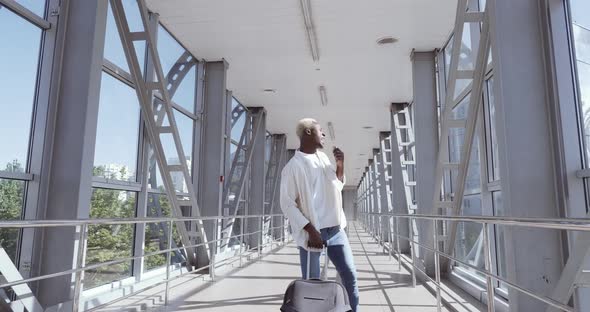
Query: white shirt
{"points": [[311, 192], [328, 214]]}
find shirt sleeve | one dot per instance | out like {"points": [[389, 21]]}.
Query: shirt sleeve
{"points": [[288, 200], [332, 173]]}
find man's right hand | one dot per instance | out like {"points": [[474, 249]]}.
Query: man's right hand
{"points": [[315, 238]]}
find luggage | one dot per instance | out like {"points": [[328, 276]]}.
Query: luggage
{"points": [[315, 295]]}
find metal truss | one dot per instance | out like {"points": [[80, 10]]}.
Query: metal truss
{"points": [[377, 195], [374, 194], [160, 122], [574, 274], [234, 183], [385, 179], [451, 203], [403, 135], [273, 176], [236, 113], [27, 300], [404, 156]]}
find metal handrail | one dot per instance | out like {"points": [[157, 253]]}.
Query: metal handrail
{"points": [[567, 224], [115, 221], [84, 223]]}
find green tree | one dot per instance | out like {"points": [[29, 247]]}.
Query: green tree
{"points": [[109, 242], [11, 205], [156, 235]]}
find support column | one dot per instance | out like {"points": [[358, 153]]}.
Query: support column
{"points": [[256, 197], [281, 141], [71, 148], [426, 136], [365, 188], [382, 192], [213, 131], [375, 209], [525, 144]]}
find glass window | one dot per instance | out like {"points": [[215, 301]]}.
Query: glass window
{"points": [[466, 55], [469, 242], [580, 9], [494, 170], [500, 243], [155, 181], [581, 27], [232, 151], [238, 128], [448, 51], [117, 132], [36, 6], [113, 49], [267, 151], [185, 129], [156, 234], [109, 242], [18, 75], [473, 179], [12, 193], [172, 53]]}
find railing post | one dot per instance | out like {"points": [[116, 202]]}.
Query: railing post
{"points": [[390, 230], [399, 254], [437, 265], [413, 252], [168, 260], [488, 266], [283, 231], [214, 250], [260, 236], [241, 238], [79, 264], [272, 232]]}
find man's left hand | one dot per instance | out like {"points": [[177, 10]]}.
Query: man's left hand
{"points": [[339, 156]]}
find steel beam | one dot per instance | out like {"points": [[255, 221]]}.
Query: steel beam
{"points": [[69, 187]]}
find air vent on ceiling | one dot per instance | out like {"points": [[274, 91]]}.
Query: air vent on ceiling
{"points": [[387, 40]]}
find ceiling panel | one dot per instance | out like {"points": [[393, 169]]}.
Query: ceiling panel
{"points": [[266, 45]]}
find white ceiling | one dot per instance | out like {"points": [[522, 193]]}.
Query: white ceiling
{"points": [[266, 45]]}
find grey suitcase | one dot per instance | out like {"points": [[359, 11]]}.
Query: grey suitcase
{"points": [[315, 295]]}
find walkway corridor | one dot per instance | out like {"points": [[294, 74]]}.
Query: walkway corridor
{"points": [[259, 286]]}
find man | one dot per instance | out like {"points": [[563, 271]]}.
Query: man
{"points": [[311, 198]]}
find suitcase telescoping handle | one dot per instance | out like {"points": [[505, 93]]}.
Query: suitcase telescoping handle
{"points": [[325, 268]]}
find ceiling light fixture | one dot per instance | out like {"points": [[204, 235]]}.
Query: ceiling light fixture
{"points": [[323, 96], [367, 127], [331, 131], [269, 90], [310, 29], [387, 40]]}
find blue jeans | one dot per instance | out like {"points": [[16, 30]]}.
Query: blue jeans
{"points": [[340, 254]]}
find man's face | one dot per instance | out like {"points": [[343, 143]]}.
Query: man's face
{"points": [[318, 136]]}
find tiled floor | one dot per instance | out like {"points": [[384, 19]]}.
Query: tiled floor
{"points": [[259, 286]]}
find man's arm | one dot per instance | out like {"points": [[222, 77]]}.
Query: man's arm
{"points": [[289, 207], [288, 201], [339, 156]]}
